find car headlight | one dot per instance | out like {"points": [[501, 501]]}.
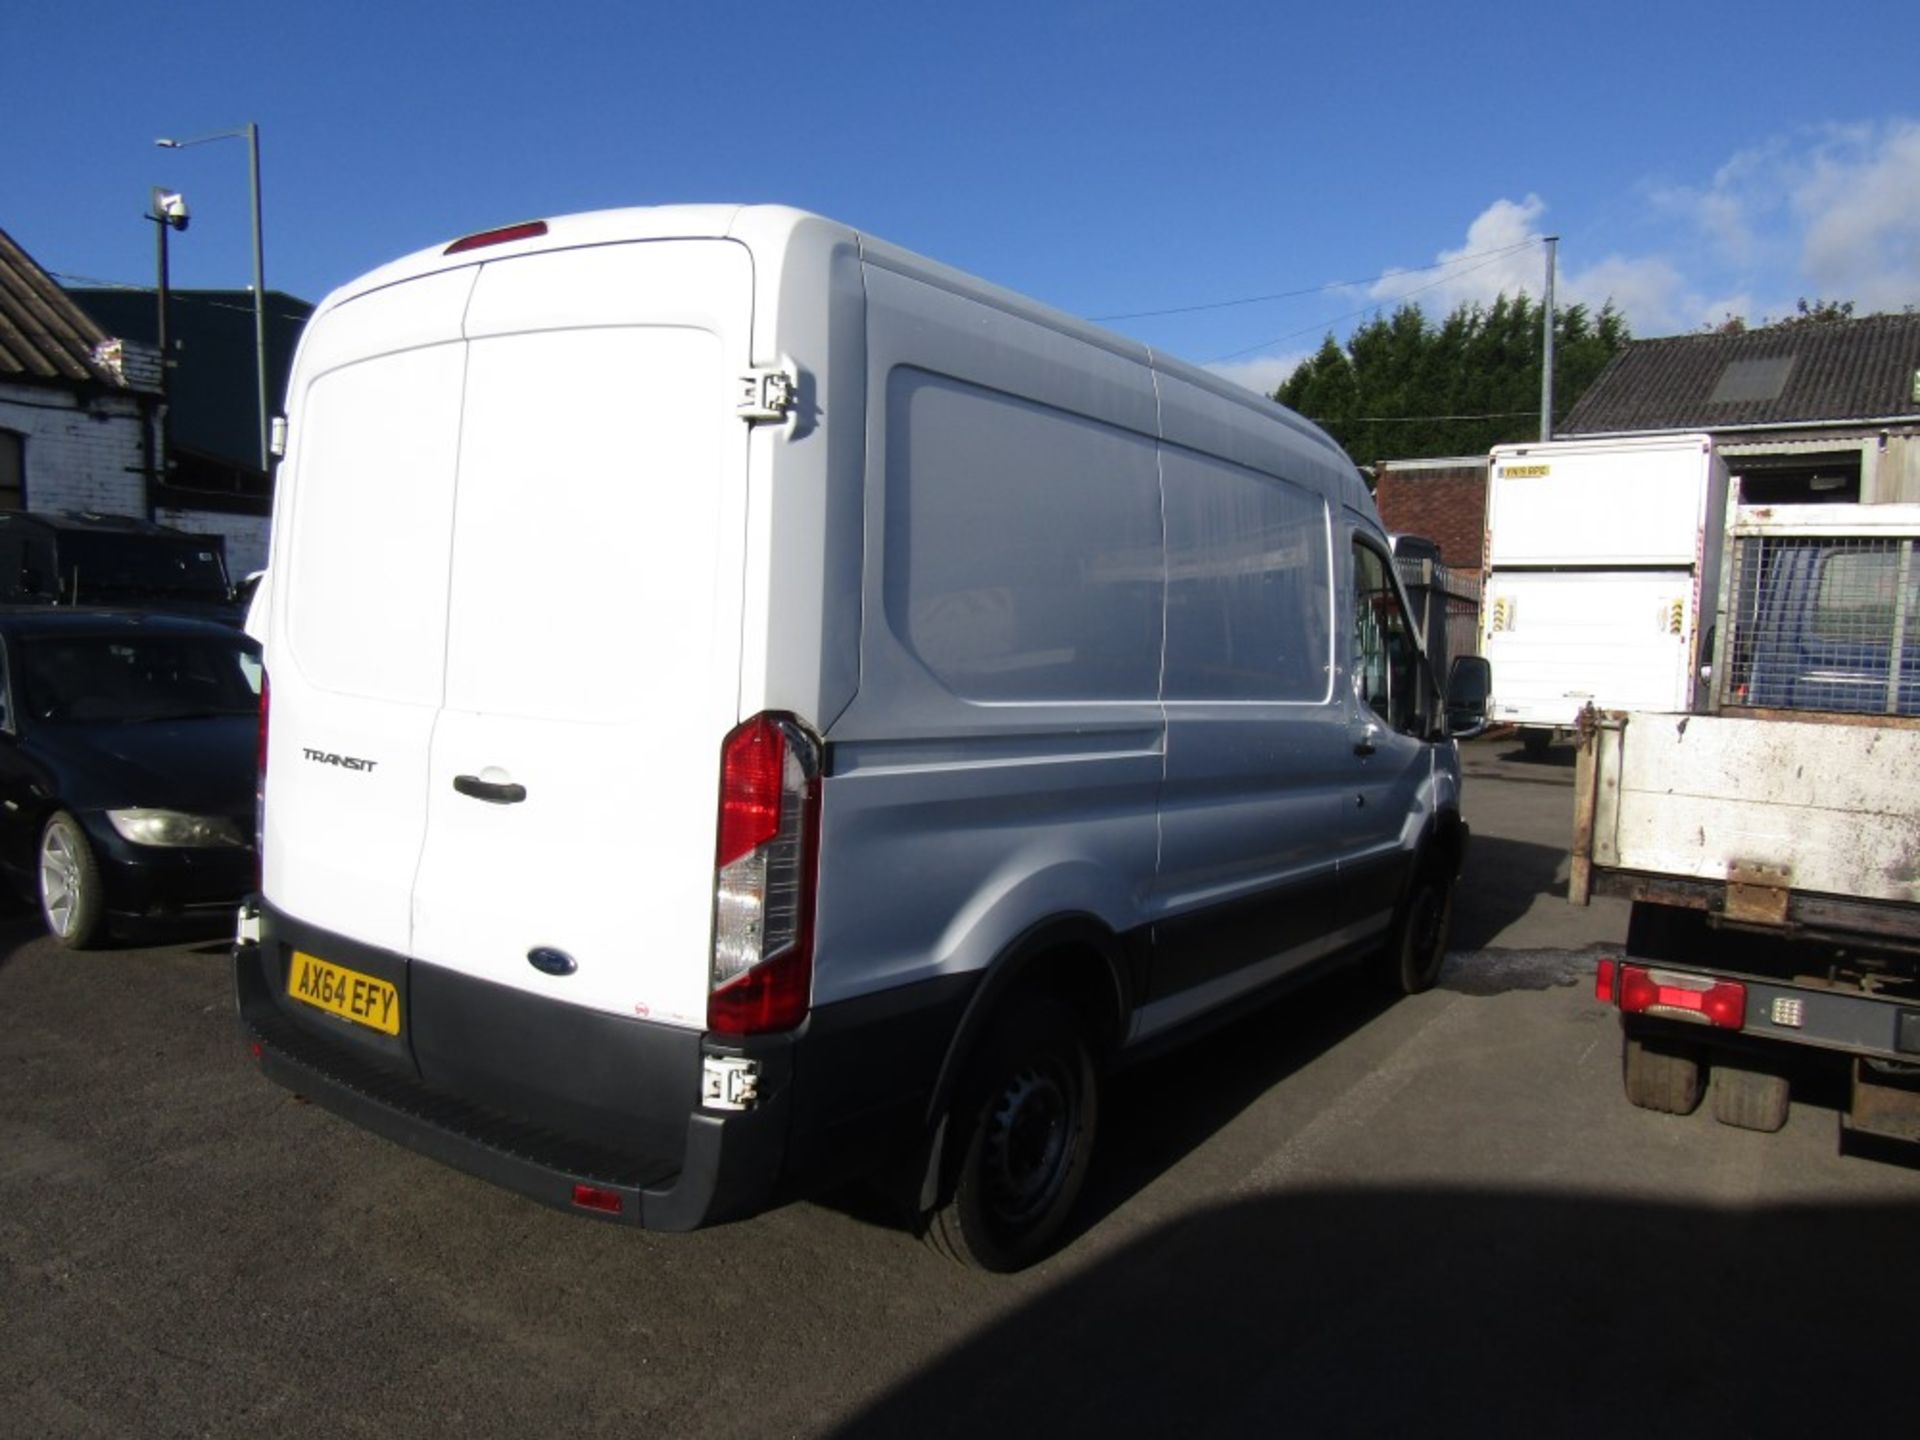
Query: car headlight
{"points": [[173, 829]]}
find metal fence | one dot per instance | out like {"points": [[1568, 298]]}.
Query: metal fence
{"points": [[1822, 621], [1446, 607]]}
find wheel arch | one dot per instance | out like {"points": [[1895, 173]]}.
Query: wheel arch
{"points": [[1072, 958], [1444, 846]]}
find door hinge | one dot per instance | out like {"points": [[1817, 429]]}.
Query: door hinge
{"points": [[767, 395], [729, 1082]]}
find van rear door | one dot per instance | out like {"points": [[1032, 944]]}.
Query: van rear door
{"points": [[593, 626], [540, 646], [358, 614]]}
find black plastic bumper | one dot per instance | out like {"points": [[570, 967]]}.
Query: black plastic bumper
{"points": [[592, 1107]]}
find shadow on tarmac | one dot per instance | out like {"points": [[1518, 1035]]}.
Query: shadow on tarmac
{"points": [[1501, 881], [1407, 1312], [1155, 1113], [1169, 1107]]}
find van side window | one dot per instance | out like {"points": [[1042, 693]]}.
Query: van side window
{"points": [[1386, 663], [1248, 592], [1023, 545]]}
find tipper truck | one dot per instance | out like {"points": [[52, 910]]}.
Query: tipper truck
{"points": [[1770, 843]]}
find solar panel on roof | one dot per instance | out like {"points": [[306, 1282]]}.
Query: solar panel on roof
{"points": [[1749, 380]]}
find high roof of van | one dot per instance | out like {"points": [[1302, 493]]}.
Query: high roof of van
{"points": [[778, 231]]}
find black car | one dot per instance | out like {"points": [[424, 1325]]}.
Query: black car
{"points": [[128, 746]]}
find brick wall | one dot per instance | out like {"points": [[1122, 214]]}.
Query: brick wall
{"points": [[246, 535], [79, 455], [92, 455], [1447, 504]]}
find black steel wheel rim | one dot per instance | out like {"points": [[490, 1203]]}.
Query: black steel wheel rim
{"points": [[1030, 1137]]}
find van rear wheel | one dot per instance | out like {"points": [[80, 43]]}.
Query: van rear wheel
{"points": [[1021, 1132]]}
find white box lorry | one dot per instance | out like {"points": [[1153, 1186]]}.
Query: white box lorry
{"points": [[1771, 844], [750, 704], [1601, 557]]}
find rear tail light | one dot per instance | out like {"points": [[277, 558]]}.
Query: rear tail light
{"points": [[1669, 995], [1603, 981], [764, 866]]}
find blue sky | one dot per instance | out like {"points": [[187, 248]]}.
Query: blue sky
{"points": [[1108, 158]]}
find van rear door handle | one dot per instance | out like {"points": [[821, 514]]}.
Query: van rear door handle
{"points": [[494, 792]]}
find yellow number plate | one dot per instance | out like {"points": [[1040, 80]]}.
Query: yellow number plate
{"points": [[343, 992]]}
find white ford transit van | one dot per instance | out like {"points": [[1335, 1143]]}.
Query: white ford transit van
{"points": [[747, 703]]}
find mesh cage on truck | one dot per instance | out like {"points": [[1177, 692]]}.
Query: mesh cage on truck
{"points": [[1821, 610]]}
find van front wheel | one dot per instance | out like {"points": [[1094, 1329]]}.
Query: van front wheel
{"points": [[1419, 946], [1022, 1130]]}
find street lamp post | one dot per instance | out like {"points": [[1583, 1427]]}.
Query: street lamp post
{"points": [[251, 134], [168, 212]]}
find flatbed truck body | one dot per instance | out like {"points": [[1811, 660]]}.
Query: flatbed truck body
{"points": [[1772, 851]]}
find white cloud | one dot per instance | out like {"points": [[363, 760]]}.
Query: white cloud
{"points": [[1649, 292], [1859, 200], [1496, 259], [1264, 373], [1502, 256], [1831, 213]]}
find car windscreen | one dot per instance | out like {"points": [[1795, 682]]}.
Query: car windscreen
{"points": [[136, 677], [97, 568]]}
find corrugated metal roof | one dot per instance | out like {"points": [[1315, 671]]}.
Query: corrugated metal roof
{"points": [[44, 336], [1833, 371]]}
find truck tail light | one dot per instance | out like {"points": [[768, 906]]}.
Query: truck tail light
{"points": [[1603, 980], [1670, 995], [761, 978]]}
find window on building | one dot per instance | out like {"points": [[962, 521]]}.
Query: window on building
{"points": [[13, 471]]}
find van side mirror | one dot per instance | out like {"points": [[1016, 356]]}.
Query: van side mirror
{"points": [[1469, 684]]}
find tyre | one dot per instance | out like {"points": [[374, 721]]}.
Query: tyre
{"points": [[1019, 1137], [72, 900], [1536, 743], [1661, 1076], [1418, 949], [1750, 1099]]}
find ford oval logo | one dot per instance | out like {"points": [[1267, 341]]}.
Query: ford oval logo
{"points": [[550, 961]]}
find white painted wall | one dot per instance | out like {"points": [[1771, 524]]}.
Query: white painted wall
{"points": [[80, 455], [246, 535], [91, 454]]}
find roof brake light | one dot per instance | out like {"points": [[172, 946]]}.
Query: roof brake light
{"points": [[530, 230]]}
